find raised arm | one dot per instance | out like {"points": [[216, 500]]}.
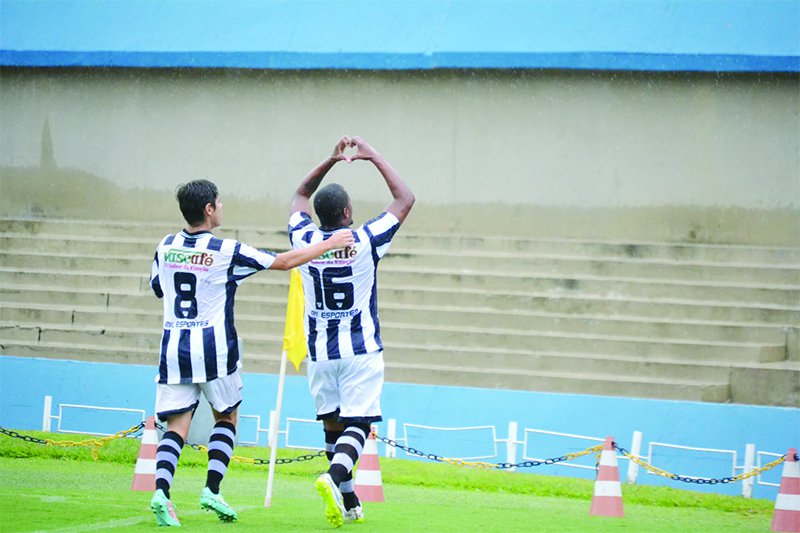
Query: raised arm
{"points": [[310, 183], [403, 197], [294, 258]]}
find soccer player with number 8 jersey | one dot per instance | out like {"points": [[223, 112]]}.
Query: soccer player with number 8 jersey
{"points": [[345, 367], [197, 275]]}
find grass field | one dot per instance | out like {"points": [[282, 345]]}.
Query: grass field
{"points": [[48, 488]]}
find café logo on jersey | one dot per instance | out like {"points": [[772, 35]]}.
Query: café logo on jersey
{"points": [[344, 253], [186, 257]]}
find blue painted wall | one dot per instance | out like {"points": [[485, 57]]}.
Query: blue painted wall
{"points": [[741, 35], [25, 381]]}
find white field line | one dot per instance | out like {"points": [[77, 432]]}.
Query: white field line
{"points": [[147, 516]]}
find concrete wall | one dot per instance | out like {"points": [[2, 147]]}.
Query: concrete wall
{"points": [[675, 156]]}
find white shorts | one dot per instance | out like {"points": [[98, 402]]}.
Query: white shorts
{"points": [[350, 386], [224, 394]]}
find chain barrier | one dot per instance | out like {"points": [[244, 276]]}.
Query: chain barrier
{"points": [[700, 481], [494, 466], [570, 456], [95, 443], [255, 461]]}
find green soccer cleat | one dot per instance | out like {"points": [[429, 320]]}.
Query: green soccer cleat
{"points": [[354, 515], [334, 506], [215, 502], [164, 510]]}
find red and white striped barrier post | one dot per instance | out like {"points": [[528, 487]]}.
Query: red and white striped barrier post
{"points": [[144, 476], [607, 498], [787, 504], [369, 486]]}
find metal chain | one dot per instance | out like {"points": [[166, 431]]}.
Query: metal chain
{"points": [[99, 442], [27, 438], [95, 443], [497, 466], [699, 481]]}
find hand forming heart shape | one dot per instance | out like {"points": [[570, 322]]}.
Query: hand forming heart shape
{"points": [[349, 152]]}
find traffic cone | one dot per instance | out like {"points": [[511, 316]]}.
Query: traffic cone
{"points": [[369, 486], [787, 505], [144, 476], [607, 498]]}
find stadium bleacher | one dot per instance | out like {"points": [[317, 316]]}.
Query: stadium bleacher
{"points": [[683, 321]]}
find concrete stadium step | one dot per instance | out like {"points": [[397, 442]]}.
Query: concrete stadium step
{"points": [[596, 266], [27, 305], [72, 315], [613, 304], [560, 382], [271, 289], [78, 245], [506, 271], [756, 292], [76, 279], [679, 349], [151, 232], [600, 248], [525, 335], [586, 363], [76, 262], [566, 270], [80, 352], [98, 245], [685, 321], [753, 291], [105, 228], [261, 334], [567, 324]]}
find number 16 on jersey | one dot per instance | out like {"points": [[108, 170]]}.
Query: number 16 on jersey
{"points": [[329, 293]]}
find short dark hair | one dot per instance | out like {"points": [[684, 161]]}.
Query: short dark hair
{"points": [[193, 197], [329, 204]]}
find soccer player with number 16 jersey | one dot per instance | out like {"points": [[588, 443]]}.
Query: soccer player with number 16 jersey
{"points": [[345, 367], [197, 275]]}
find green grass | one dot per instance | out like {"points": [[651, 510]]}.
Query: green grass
{"points": [[48, 488]]}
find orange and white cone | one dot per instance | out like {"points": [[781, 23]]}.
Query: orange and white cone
{"points": [[369, 486], [787, 505], [607, 498], [144, 476]]}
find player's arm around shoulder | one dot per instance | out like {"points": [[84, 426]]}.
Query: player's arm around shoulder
{"points": [[300, 256]]}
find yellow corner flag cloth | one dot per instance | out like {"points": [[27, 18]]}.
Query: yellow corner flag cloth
{"points": [[294, 337]]}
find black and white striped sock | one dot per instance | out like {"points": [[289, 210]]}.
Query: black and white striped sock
{"points": [[167, 455], [220, 451], [347, 451], [347, 486]]}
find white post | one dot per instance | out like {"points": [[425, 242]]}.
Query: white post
{"points": [[511, 444], [391, 434], [271, 429], [636, 451], [48, 408], [749, 464], [274, 427]]}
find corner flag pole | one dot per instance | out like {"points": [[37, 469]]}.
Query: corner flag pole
{"points": [[294, 349], [275, 426]]}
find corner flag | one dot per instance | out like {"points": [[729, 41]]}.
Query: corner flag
{"points": [[294, 337]]}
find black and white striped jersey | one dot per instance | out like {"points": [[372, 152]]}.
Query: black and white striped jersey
{"points": [[197, 276], [341, 287]]}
